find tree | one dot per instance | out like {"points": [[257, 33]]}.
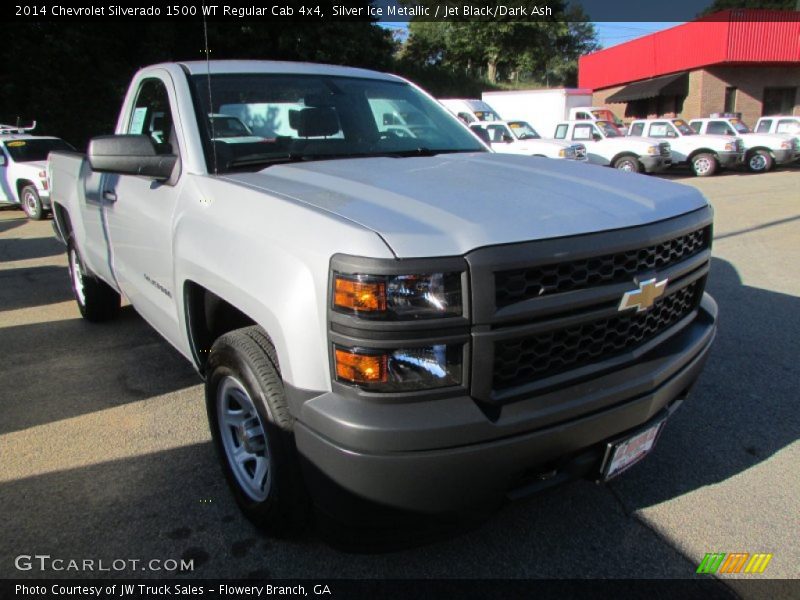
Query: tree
{"points": [[541, 50]]}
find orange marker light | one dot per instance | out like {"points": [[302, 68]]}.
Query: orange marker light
{"points": [[361, 368], [359, 295]]}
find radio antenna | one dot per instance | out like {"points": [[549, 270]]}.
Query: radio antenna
{"points": [[210, 102]]}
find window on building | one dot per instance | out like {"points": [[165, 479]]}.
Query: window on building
{"points": [[730, 100], [778, 101]]}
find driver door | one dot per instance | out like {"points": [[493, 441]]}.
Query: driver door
{"points": [[140, 213]]}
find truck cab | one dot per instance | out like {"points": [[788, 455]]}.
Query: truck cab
{"points": [[762, 151], [518, 137], [787, 124], [607, 145], [23, 169], [706, 154], [596, 113], [470, 110]]}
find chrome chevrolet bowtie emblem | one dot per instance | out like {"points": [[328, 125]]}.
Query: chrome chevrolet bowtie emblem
{"points": [[644, 297]]}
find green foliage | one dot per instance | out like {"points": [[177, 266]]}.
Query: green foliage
{"points": [[72, 79], [537, 51]]}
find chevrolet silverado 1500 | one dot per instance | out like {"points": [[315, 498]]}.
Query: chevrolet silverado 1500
{"points": [[408, 321]]}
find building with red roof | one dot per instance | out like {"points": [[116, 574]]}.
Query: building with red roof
{"points": [[742, 60]]}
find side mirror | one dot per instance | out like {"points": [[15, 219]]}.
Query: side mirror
{"points": [[481, 133], [507, 138], [130, 155], [597, 137]]}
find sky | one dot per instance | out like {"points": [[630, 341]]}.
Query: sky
{"points": [[608, 33], [611, 34]]}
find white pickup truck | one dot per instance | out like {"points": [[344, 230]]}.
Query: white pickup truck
{"points": [[518, 137], [607, 145], [23, 163], [386, 323], [706, 154], [762, 151]]}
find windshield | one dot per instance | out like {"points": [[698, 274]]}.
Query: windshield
{"points": [[683, 127], [35, 149], [739, 126], [608, 129], [606, 115], [523, 131], [228, 127], [313, 117]]}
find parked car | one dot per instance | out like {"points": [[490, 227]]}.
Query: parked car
{"points": [[517, 137], [470, 110], [386, 322], [706, 154], [23, 175], [789, 124], [762, 151], [607, 145], [546, 108]]}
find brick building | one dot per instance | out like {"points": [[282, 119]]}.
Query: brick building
{"points": [[745, 61]]}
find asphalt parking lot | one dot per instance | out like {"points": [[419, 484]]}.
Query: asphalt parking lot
{"points": [[105, 452]]}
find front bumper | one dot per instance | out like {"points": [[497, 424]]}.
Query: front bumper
{"points": [[447, 455], [655, 164], [730, 159]]}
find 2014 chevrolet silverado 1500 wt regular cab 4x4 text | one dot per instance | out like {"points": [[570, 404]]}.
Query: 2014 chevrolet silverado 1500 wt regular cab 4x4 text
{"points": [[375, 323]]}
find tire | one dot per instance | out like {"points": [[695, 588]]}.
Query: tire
{"points": [[760, 161], [96, 300], [252, 430], [31, 203], [628, 164], [705, 164]]}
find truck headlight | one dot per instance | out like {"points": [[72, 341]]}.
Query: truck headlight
{"points": [[568, 152], [730, 146], [653, 150], [787, 145], [400, 370], [398, 297]]}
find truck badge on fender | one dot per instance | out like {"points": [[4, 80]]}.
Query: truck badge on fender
{"points": [[645, 296]]}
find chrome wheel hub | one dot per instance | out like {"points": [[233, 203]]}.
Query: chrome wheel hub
{"points": [[244, 439], [758, 162], [702, 165], [77, 277]]}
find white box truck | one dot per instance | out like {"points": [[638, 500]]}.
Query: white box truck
{"points": [[546, 108]]}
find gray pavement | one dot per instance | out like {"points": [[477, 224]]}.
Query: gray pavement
{"points": [[105, 451]]}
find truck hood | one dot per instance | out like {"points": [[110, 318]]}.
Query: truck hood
{"points": [[32, 166], [452, 203], [712, 140]]}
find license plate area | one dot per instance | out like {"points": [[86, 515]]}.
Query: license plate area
{"points": [[625, 452]]}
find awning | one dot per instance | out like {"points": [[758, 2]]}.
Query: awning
{"points": [[668, 85]]}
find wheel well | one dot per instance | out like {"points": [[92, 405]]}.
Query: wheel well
{"points": [[701, 151], [751, 151], [624, 155], [21, 183], [207, 317], [61, 217]]}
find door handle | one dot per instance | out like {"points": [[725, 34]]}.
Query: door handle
{"points": [[109, 196]]}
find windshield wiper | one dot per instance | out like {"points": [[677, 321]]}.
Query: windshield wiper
{"points": [[423, 151], [252, 161]]}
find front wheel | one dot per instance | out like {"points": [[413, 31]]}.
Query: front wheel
{"points": [[628, 164], [31, 203], [760, 161], [252, 430], [704, 165], [96, 300]]}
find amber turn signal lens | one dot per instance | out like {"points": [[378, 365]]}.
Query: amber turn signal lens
{"points": [[361, 368], [359, 295]]}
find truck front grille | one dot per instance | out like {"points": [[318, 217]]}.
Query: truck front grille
{"points": [[517, 285], [665, 149], [528, 359]]}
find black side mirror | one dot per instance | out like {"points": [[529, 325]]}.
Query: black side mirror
{"points": [[597, 137], [130, 155], [507, 138], [482, 133]]}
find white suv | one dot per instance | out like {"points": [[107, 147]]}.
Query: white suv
{"points": [[706, 154], [23, 164]]}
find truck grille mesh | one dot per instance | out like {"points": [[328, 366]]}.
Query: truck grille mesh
{"points": [[527, 359], [518, 285]]}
